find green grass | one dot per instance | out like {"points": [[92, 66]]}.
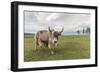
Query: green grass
{"points": [[70, 47]]}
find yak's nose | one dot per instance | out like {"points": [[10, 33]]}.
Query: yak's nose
{"points": [[55, 41]]}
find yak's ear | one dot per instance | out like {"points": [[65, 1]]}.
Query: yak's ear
{"points": [[49, 29]]}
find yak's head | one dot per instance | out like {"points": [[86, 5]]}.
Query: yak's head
{"points": [[54, 34]]}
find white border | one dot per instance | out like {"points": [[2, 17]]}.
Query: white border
{"points": [[22, 64]]}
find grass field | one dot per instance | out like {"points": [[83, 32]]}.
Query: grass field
{"points": [[70, 47]]}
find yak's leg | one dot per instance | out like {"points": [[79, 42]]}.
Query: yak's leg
{"points": [[41, 44], [35, 46], [57, 44], [49, 46], [53, 46]]}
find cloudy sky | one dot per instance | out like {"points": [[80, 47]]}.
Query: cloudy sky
{"points": [[35, 21]]}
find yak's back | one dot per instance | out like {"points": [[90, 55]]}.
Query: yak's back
{"points": [[43, 35]]}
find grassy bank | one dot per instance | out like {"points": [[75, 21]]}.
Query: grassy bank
{"points": [[70, 47]]}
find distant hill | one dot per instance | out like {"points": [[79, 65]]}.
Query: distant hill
{"points": [[28, 35]]}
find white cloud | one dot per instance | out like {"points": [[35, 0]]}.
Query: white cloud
{"points": [[52, 16]]}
